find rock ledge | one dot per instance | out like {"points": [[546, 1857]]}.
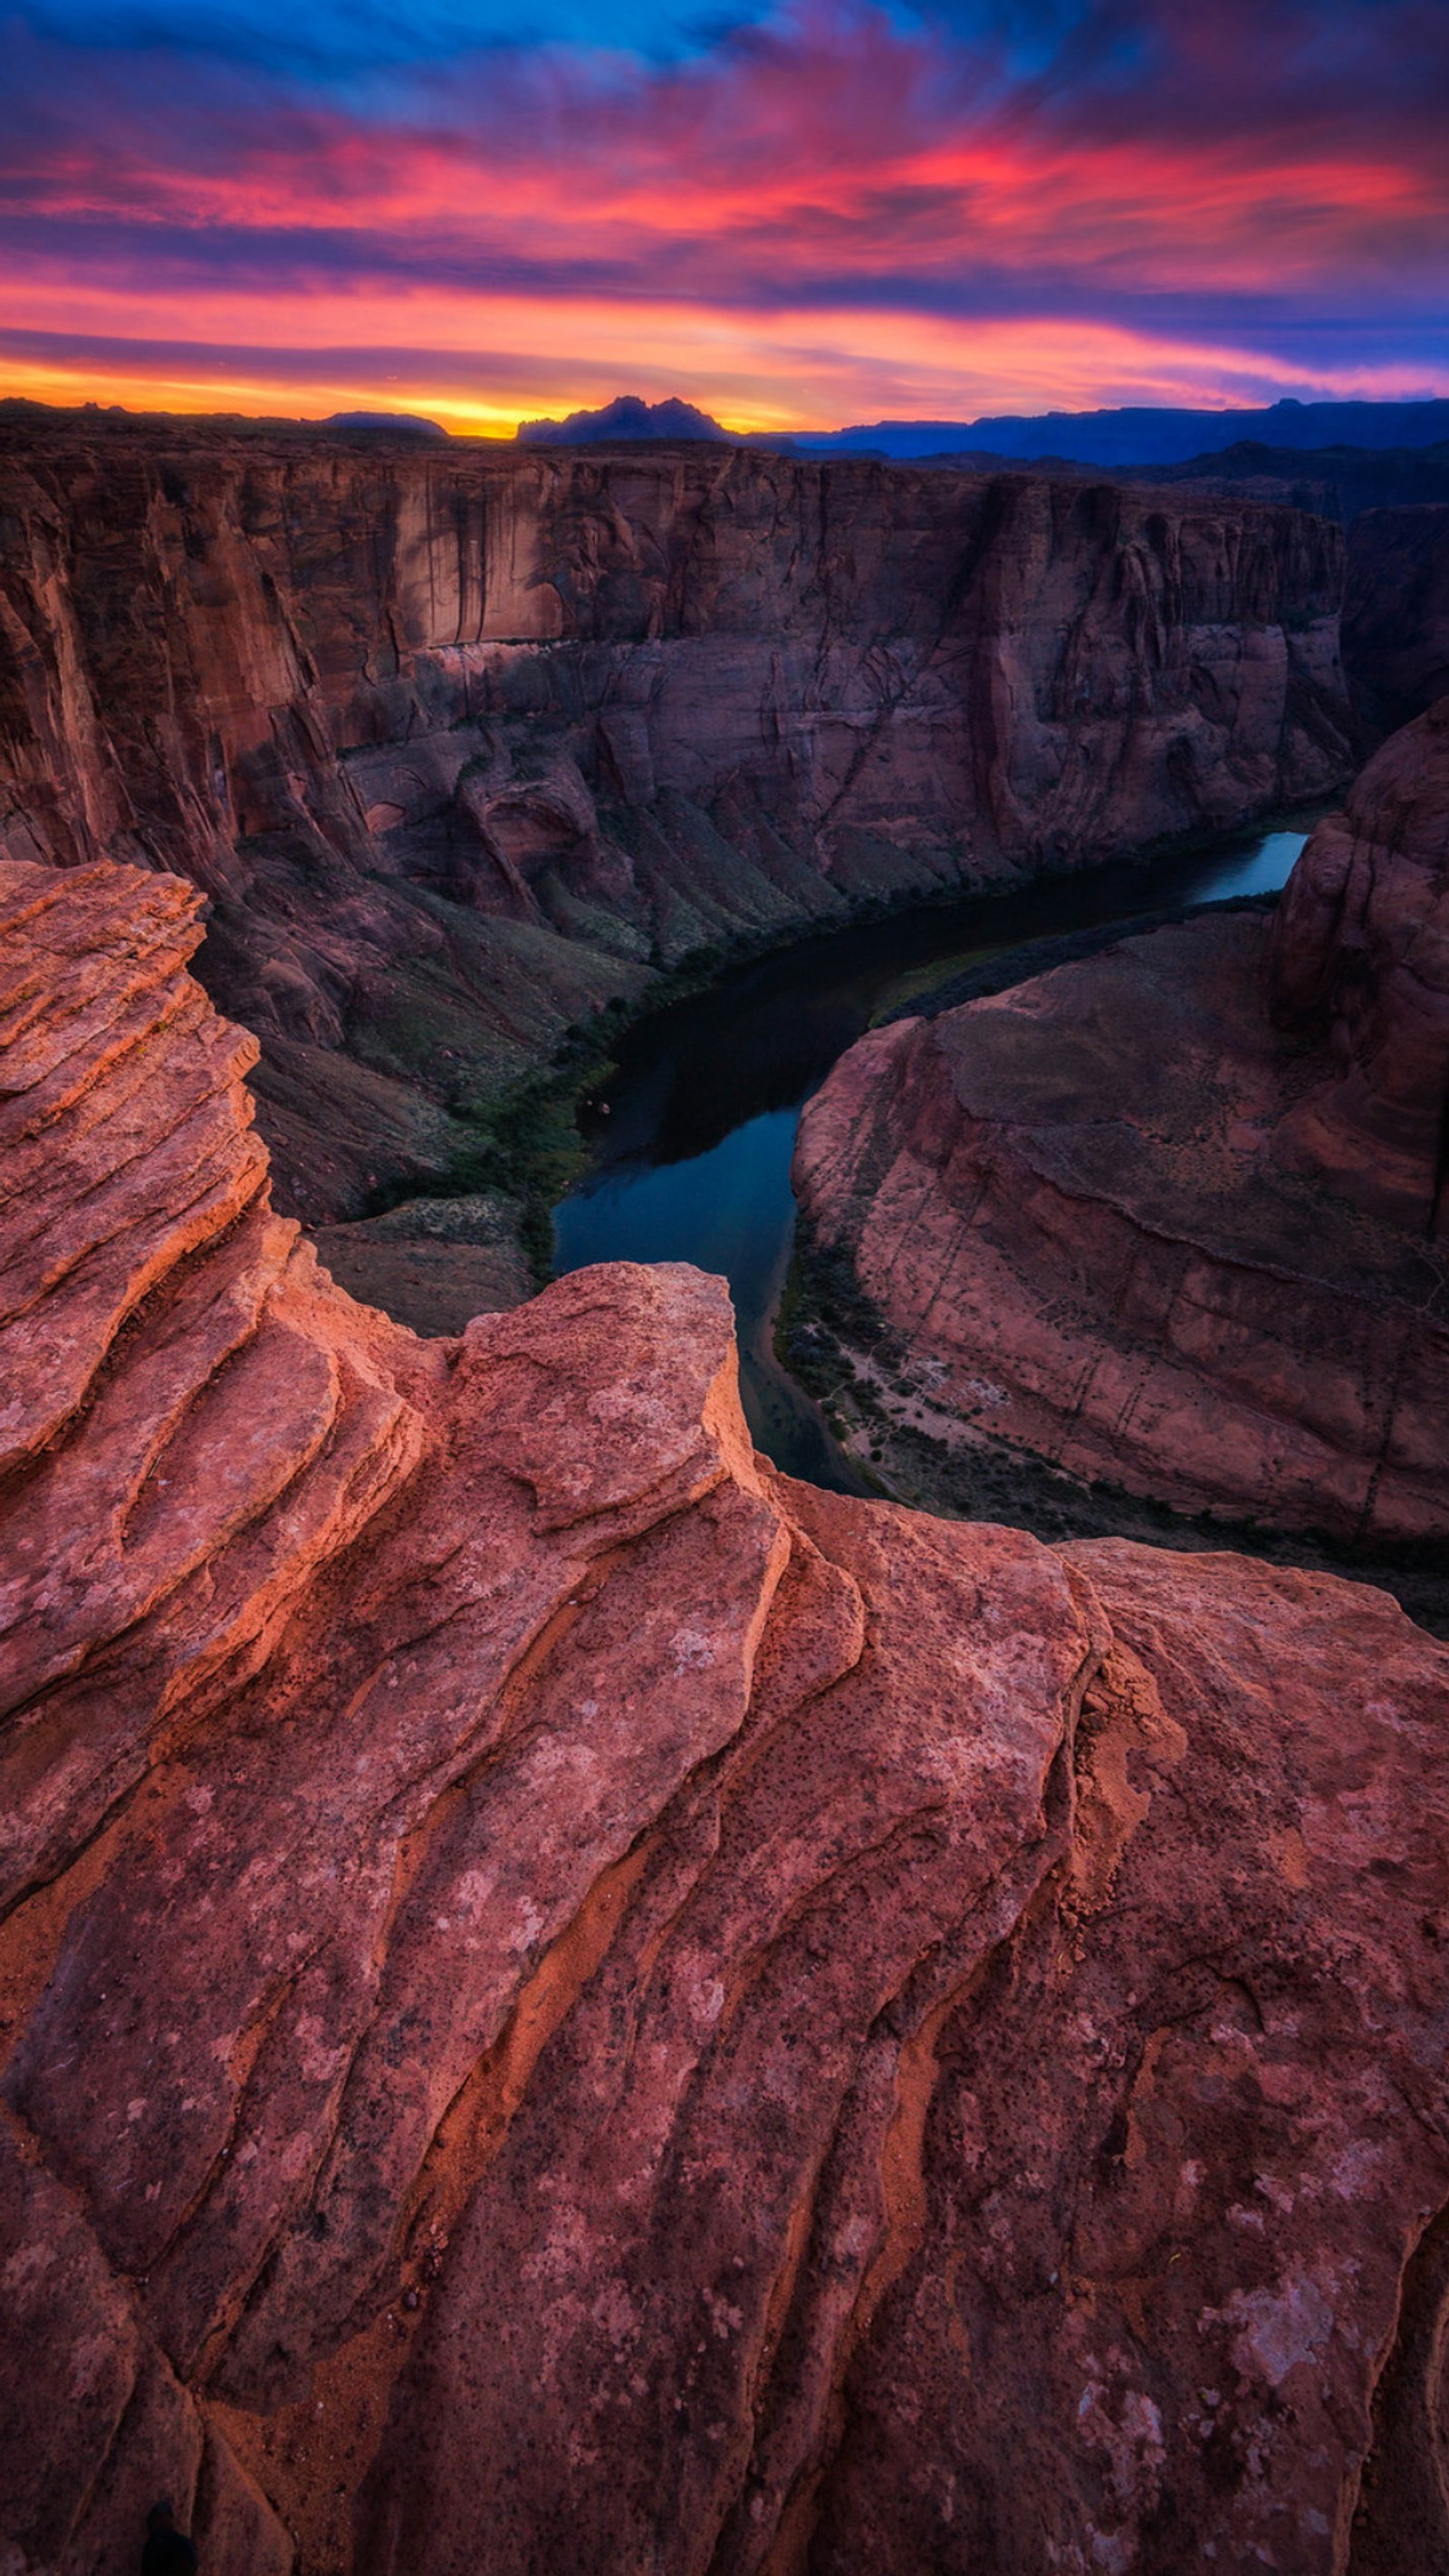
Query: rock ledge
{"points": [[554, 1984]]}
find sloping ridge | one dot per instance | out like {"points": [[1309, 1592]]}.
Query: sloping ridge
{"points": [[563, 1995]]}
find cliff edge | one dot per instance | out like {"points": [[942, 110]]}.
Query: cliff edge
{"points": [[556, 1984]]}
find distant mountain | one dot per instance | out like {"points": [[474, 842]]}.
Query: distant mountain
{"points": [[400, 424], [1140, 436], [628, 416]]}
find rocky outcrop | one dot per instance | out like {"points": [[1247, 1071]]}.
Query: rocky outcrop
{"points": [[432, 1264], [1396, 614], [462, 744], [530, 1946], [1138, 1220]]}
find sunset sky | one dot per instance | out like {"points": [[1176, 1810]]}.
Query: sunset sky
{"points": [[795, 217]]}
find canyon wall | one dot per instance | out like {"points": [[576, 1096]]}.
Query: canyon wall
{"points": [[1170, 1219], [1396, 615], [461, 746], [561, 1993], [1360, 959]]}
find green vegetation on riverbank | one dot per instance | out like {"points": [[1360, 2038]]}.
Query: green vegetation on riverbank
{"points": [[523, 1141], [518, 1132]]}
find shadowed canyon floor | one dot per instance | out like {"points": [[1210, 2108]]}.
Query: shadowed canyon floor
{"points": [[1171, 1220], [565, 1997]]}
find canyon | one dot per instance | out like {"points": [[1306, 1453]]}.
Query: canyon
{"points": [[557, 1985], [1169, 1221], [463, 746], [562, 1992]]}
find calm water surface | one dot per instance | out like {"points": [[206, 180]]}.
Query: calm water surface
{"points": [[691, 1143]]}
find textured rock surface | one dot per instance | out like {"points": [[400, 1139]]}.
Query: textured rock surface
{"points": [[1119, 1220], [460, 744], [563, 1996], [1396, 614], [432, 1264]]}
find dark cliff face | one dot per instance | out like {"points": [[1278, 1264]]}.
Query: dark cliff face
{"points": [[461, 746], [1396, 614], [1361, 956], [1339, 483]]}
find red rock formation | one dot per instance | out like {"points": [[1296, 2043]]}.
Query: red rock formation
{"points": [[1116, 1221], [563, 1996], [459, 741]]}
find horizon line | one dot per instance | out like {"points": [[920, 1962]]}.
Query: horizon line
{"points": [[507, 436]]}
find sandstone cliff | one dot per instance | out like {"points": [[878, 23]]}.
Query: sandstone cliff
{"points": [[461, 745], [555, 1985], [1136, 1219]]}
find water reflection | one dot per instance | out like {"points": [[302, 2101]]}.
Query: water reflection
{"points": [[693, 1141]]}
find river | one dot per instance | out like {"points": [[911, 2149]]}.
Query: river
{"points": [[691, 1141]]}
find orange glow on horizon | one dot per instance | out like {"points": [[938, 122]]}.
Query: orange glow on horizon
{"points": [[793, 235], [1069, 369]]}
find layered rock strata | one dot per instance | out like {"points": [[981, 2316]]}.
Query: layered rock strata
{"points": [[563, 1995], [1171, 1218], [462, 745]]}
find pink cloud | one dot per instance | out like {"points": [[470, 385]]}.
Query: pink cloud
{"points": [[826, 219]]}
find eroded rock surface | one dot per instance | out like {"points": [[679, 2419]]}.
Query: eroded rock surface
{"points": [[1139, 1220], [432, 1264], [461, 745], [565, 1997]]}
